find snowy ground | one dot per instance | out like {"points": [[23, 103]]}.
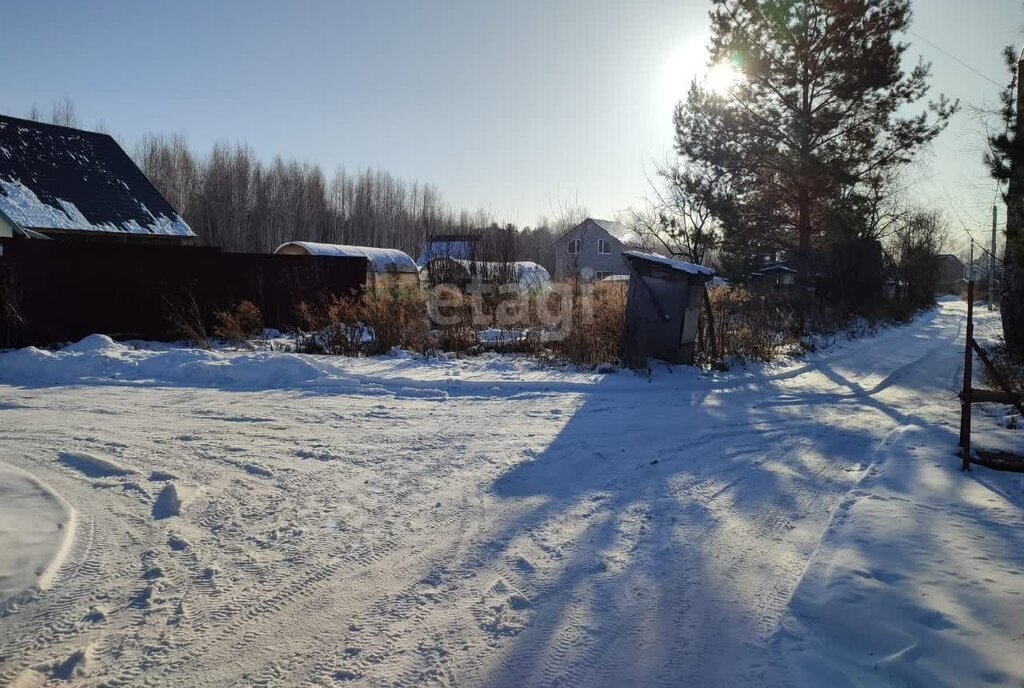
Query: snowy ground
{"points": [[272, 519]]}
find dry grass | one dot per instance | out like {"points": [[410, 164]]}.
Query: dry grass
{"points": [[760, 326], [185, 318], [1008, 370], [574, 322], [372, 324], [240, 323], [594, 335], [12, 320]]}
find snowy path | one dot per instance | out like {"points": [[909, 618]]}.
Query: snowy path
{"points": [[393, 522]]}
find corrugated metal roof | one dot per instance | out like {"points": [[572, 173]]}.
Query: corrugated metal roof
{"points": [[54, 177]]}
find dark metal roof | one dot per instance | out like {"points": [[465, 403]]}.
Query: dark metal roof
{"points": [[54, 177]]}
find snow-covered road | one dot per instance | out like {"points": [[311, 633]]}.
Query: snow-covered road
{"points": [[395, 521]]}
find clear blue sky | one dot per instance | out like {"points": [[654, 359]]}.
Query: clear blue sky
{"points": [[517, 107]]}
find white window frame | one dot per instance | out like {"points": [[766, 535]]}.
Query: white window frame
{"points": [[604, 247], [601, 274], [575, 247]]}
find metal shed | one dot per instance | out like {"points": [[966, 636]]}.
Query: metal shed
{"points": [[663, 305]]}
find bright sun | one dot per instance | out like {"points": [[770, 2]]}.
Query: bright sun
{"points": [[721, 78], [689, 62]]}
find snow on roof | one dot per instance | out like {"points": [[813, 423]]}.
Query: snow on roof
{"points": [[382, 259], [777, 268], [55, 177], [618, 230], [681, 265]]}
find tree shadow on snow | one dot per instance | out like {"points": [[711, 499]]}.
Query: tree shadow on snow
{"points": [[666, 528]]}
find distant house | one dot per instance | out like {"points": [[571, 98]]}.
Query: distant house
{"points": [[456, 246], [63, 183], [951, 270], [777, 275], [594, 249]]}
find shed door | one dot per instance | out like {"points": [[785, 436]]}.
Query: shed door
{"points": [[688, 328]]}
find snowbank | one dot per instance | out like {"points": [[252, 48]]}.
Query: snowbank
{"points": [[36, 530], [97, 359]]}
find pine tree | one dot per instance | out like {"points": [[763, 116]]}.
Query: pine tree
{"points": [[819, 110], [1005, 160]]}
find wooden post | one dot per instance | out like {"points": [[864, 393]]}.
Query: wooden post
{"points": [[713, 338], [965, 394]]}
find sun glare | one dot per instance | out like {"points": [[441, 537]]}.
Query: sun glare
{"points": [[689, 63], [721, 77]]}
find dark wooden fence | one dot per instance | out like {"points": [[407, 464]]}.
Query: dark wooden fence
{"points": [[58, 291]]}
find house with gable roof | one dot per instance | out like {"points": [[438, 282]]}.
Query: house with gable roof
{"points": [[62, 183], [594, 249]]}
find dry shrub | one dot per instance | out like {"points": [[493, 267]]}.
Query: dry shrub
{"points": [[240, 323], [1008, 369], [747, 324], [396, 318], [12, 321], [451, 316], [185, 318], [576, 323], [572, 322], [371, 324], [594, 334], [760, 325]]}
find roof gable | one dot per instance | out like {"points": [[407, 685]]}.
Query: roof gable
{"points": [[616, 230], [54, 177]]}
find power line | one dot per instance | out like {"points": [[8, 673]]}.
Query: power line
{"points": [[956, 59]]}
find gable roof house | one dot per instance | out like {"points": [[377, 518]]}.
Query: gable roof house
{"points": [[594, 249], [59, 182]]}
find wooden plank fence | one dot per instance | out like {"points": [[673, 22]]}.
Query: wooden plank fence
{"points": [[969, 395]]}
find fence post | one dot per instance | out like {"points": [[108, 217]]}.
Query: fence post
{"points": [[965, 394]]}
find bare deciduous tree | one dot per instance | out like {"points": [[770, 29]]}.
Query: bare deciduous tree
{"points": [[679, 217], [63, 113]]}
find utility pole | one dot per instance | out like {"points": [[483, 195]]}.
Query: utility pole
{"points": [[970, 266], [992, 261]]}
